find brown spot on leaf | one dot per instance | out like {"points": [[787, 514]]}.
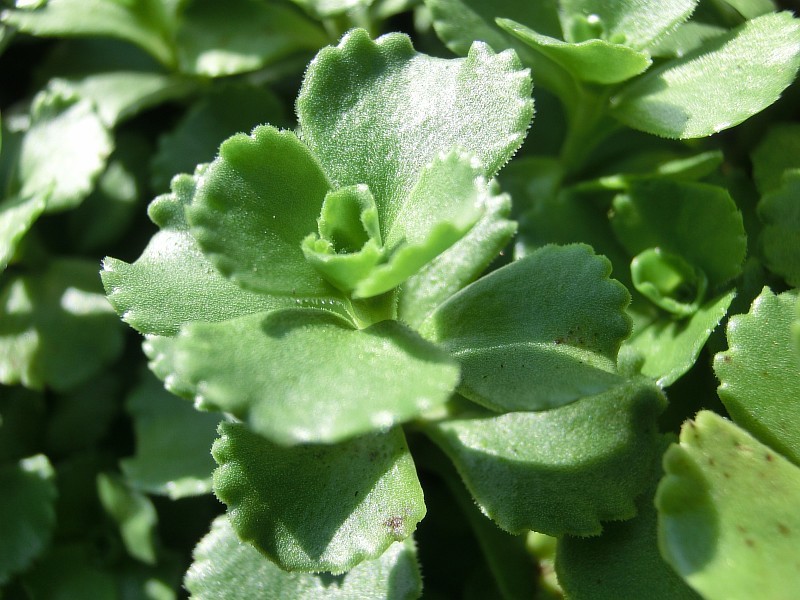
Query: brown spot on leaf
{"points": [[395, 524], [750, 543], [769, 457], [783, 529]]}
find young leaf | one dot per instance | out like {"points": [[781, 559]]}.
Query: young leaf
{"points": [[563, 470], [56, 328], [669, 348], [780, 239], [318, 508], [696, 221], [254, 206], [720, 84], [176, 466], [17, 215], [538, 333], [377, 113], [217, 40], [624, 562], [760, 375], [225, 567], [326, 382], [594, 60], [635, 24], [728, 520], [28, 506], [172, 282], [64, 150], [134, 514]]}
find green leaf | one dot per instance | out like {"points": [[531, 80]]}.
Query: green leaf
{"points": [[595, 60], [563, 470], [64, 150], [357, 497], [326, 381], [28, 506], [257, 202], [511, 361], [17, 215], [760, 374], [718, 85], [322, 9], [56, 327], [624, 562], [459, 265], [225, 567], [696, 221], [237, 36], [669, 281], [134, 514], [684, 38], [70, 570], [172, 282], [728, 520], [176, 466], [446, 202], [145, 23], [668, 347], [779, 210], [207, 123], [377, 113], [22, 412], [777, 152], [635, 24]]}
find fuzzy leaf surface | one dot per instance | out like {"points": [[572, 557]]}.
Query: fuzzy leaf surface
{"points": [[560, 471], [253, 207], [64, 150], [56, 327], [326, 381], [217, 40], [176, 466], [377, 112], [17, 215], [511, 361], [28, 503], [725, 540], [173, 282], [760, 373], [318, 507], [226, 567], [699, 222], [720, 84], [669, 347]]}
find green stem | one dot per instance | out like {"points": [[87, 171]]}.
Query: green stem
{"points": [[368, 311], [589, 124]]}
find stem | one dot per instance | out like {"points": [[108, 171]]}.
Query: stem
{"points": [[368, 311], [589, 124]]}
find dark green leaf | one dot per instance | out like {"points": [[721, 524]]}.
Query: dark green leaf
{"points": [[776, 153], [538, 333], [779, 210], [134, 514], [318, 508]]}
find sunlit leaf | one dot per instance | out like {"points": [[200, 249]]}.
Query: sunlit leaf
{"points": [[17, 215]]}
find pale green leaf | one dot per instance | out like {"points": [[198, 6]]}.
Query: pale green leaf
{"points": [[669, 281], [176, 466], [750, 9], [777, 152], [377, 113], [459, 265], [225, 567], [17, 215], [696, 221], [624, 562], [326, 381], [253, 207], [635, 23], [760, 374], [668, 347], [56, 327], [28, 506], [595, 60], [207, 123], [133, 513], [562, 470], [145, 23], [718, 85], [538, 333], [172, 282], [219, 39], [318, 508], [684, 38], [728, 520], [64, 150], [779, 211]]}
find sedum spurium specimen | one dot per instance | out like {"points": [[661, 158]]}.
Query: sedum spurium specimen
{"points": [[317, 287]]}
